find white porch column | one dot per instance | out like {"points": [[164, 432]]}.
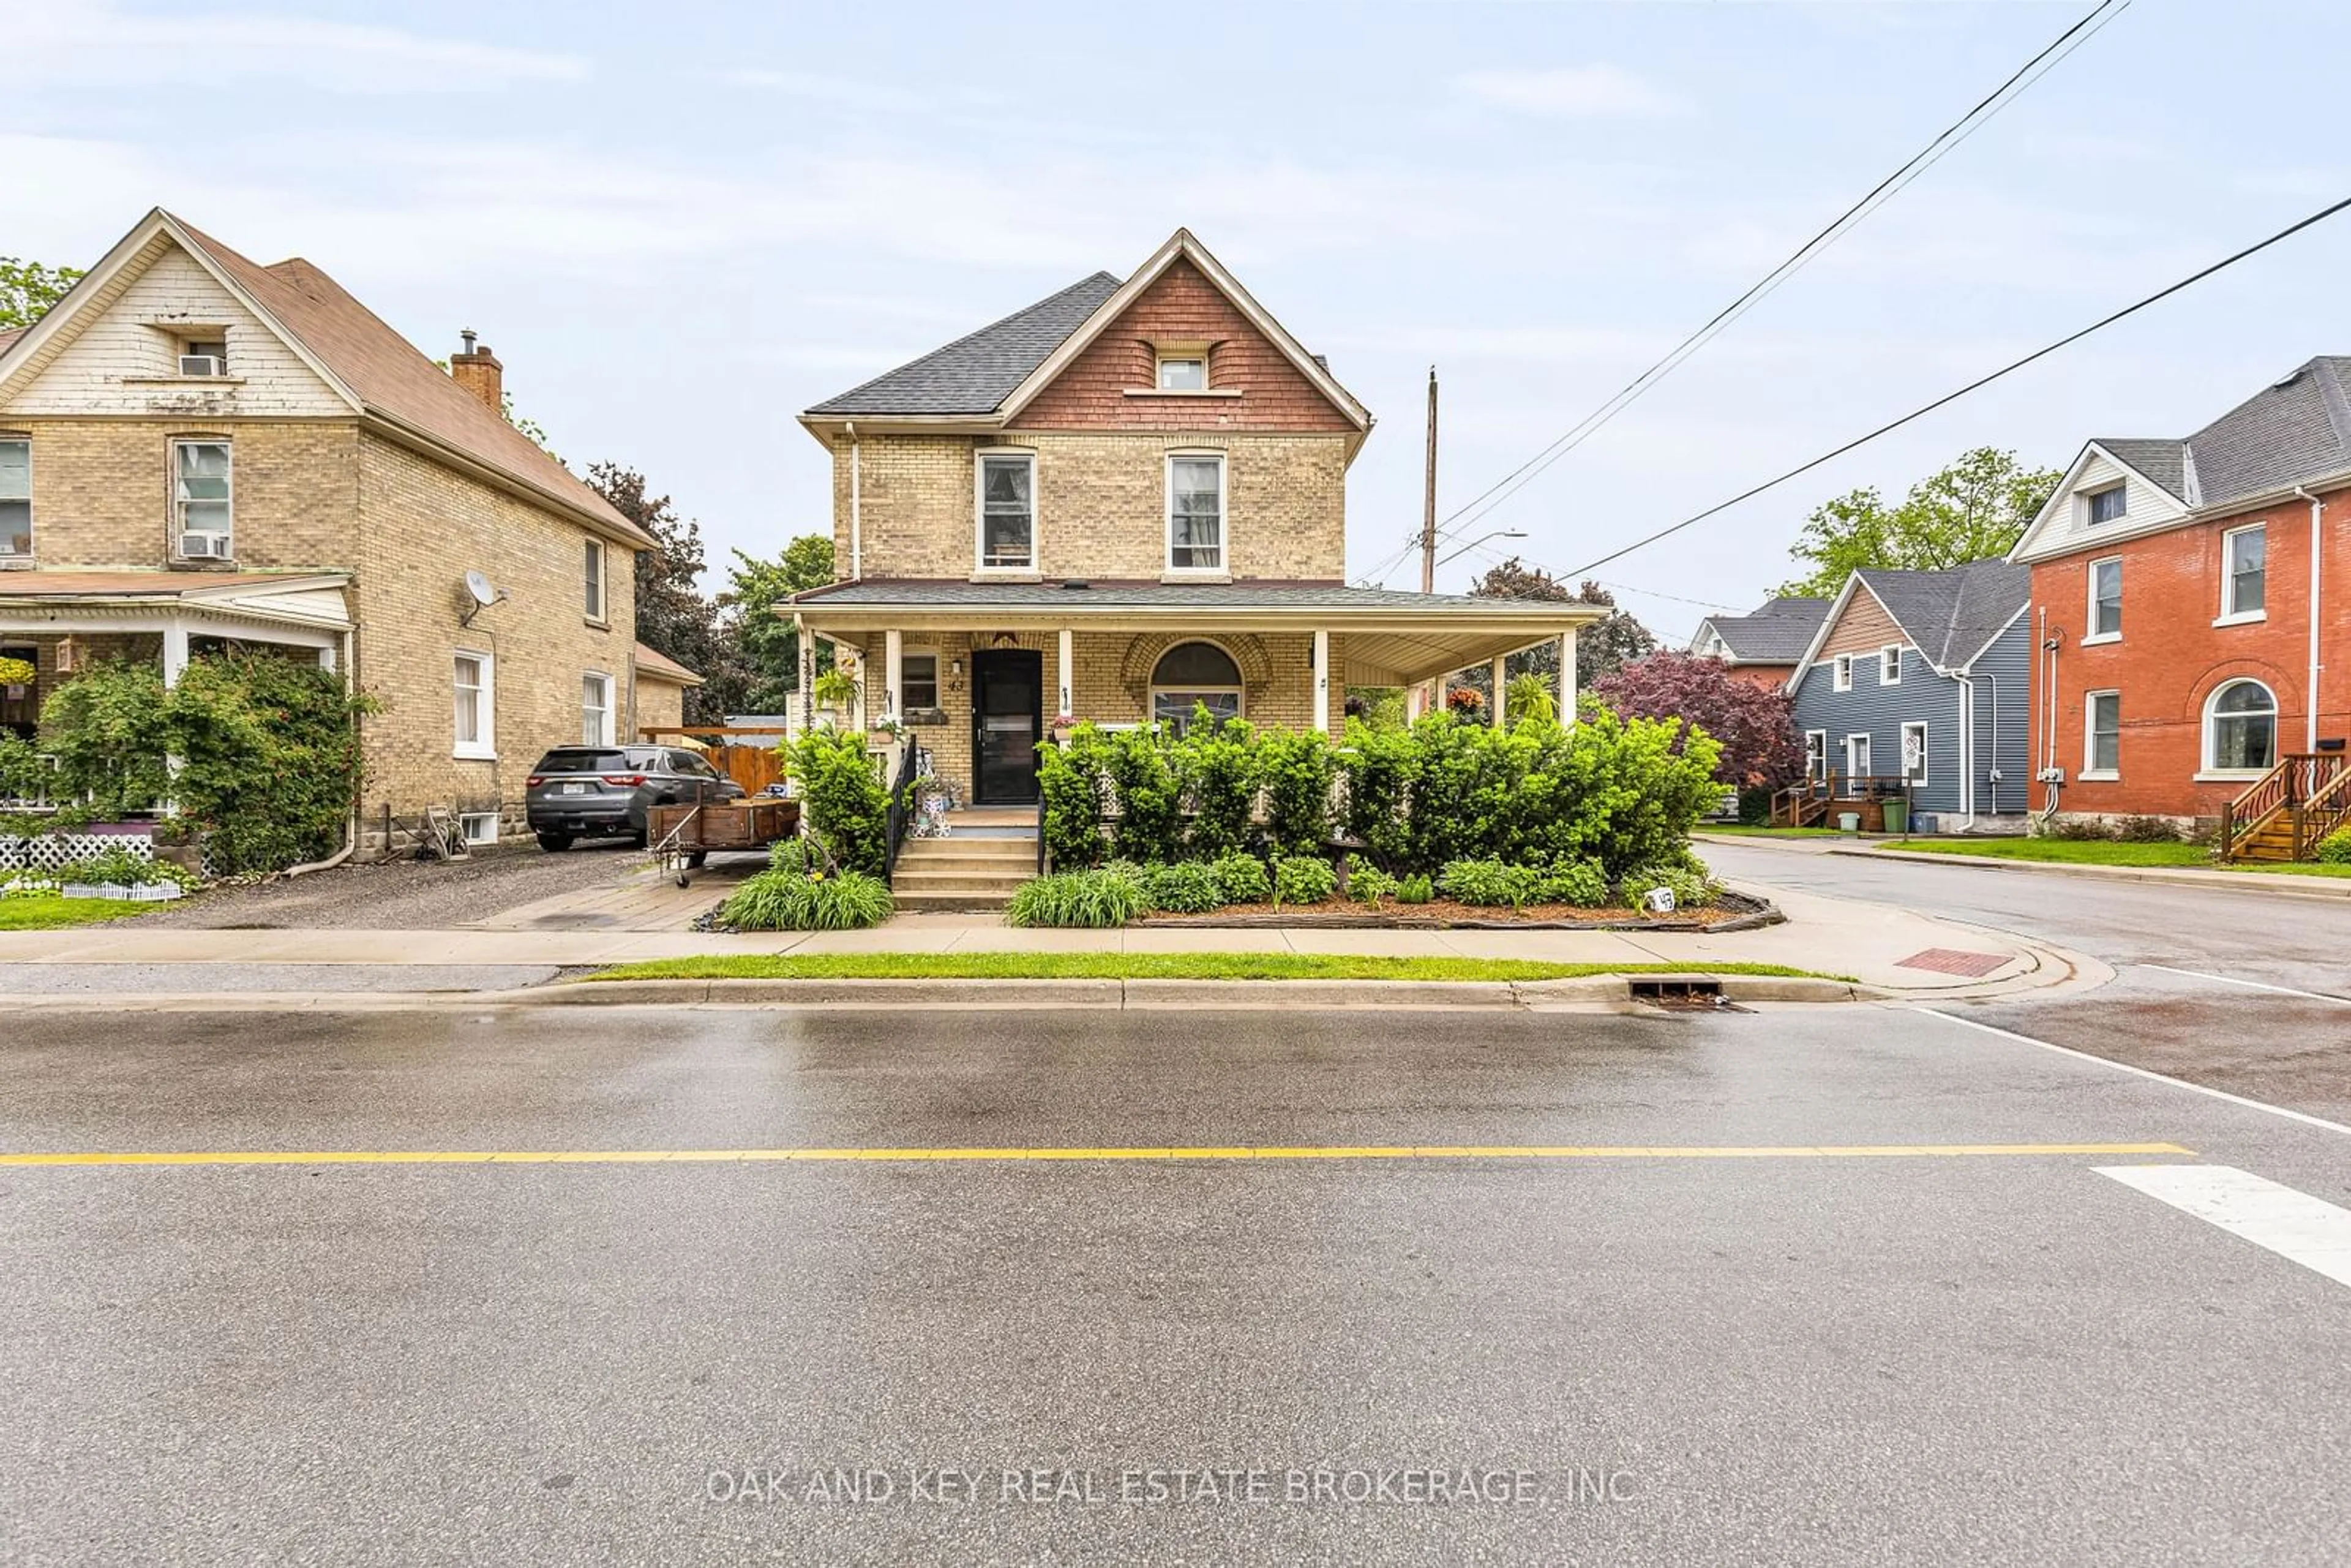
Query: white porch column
{"points": [[1322, 682], [1065, 679], [176, 651], [894, 675], [1416, 698], [1501, 674], [1567, 677]]}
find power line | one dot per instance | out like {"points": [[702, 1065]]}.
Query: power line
{"points": [[1959, 130], [1979, 383]]}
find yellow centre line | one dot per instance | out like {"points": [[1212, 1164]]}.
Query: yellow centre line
{"points": [[1015, 1155]]}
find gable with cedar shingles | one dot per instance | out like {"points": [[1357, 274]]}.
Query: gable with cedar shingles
{"points": [[1182, 306]]}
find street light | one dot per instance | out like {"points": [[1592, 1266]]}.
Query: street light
{"points": [[1481, 538]]}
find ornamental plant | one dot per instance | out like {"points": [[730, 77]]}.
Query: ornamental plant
{"points": [[1219, 767], [1299, 768], [1101, 897], [787, 899], [1243, 879], [2334, 848], [1074, 779], [1150, 827], [1303, 879], [843, 805], [1187, 887]]}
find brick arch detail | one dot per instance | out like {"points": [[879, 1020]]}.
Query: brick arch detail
{"points": [[1143, 654]]}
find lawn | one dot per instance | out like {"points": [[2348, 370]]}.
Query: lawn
{"points": [[2100, 851], [52, 914], [1145, 966]]}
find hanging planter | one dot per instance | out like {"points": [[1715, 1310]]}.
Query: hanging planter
{"points": [[16, 675]]}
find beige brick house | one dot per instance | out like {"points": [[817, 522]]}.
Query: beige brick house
{"points": [[1127, 500], [199, 451]]}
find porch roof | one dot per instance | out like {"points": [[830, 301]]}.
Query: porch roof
{"points": [[136, 601], [1383, 636]]}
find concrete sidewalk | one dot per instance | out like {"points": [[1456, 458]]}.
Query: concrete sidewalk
{"points": [[1828, 935], [2278, 884]]}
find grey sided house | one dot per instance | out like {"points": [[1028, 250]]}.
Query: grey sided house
{"points": [[1917, 685]]}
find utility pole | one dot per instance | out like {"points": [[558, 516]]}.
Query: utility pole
{"points": [[1428, 500]]}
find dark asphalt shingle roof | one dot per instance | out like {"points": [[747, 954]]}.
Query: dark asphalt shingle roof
{"points": [[1777, 634], [949, 594], [2285, 435], [1951, 614], [976, 372]]}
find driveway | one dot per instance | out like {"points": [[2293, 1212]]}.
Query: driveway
{"points": [[1965, 1343], [410, 896]]}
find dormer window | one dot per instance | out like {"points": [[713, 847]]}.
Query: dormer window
{"points": [[2107, 506], [1183, 372], [204, 356]]}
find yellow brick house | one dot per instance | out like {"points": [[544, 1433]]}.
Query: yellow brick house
{"points": [[1124, 500], [198, 451]]}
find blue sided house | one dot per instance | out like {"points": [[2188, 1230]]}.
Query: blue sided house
{"points": [[1918, 687]]}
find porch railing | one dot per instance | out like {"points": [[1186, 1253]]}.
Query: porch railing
{"points": [[1802, 805], [902, 803], [44, 797], [2294, 805]]}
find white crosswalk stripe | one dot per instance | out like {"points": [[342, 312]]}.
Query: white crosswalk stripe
{"points": [[2312, 1232]]}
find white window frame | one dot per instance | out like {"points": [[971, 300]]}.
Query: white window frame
{"points": [[1222, 568], [1179, 357], [1867, 747], [2092, 636], [1889, 658], [2090, 768], [606, 718], [1816, 756], [2090, 518], [2212, 770], [1238, 692], [478, 828], [26, 553], [484, 746], [2230, 615], [180, 529], [906, 657], [1902, 742], [979, 461], [595, 562], [1841, 672]]}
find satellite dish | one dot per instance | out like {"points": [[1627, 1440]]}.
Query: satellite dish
{"points": [[479, 587]]}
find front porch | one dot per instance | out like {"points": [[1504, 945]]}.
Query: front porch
{"points": [[978, 674]]}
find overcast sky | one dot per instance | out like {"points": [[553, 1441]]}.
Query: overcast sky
{"points": [[680, 224]]}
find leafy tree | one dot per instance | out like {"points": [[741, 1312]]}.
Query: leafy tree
{"points": [[770, 646], [27, 290], [673, 617], [1975, 508], [1755, 726], [1601, 648]]}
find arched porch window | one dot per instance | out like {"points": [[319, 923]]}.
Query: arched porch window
{"points": [[1193, 674]]}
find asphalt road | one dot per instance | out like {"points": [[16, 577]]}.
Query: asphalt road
{"points": [[2206, 977], [1801, 1357]]}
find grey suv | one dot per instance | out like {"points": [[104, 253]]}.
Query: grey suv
{"points": [[585, 791]]}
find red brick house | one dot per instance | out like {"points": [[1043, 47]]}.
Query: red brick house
{"points": [[1762, 648], [2189, 603]]}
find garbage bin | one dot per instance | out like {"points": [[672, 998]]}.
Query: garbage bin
{"points": [[1848, 821], [1897, 816]]}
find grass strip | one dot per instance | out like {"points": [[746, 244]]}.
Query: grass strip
{"points": [[2097, 852], [1148, 967], [57, 914]]}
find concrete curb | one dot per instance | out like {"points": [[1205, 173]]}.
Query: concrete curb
{"points": [[2253, 881], [1614, 991]]}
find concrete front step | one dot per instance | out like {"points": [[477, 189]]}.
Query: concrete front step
{"points": [[994, 852], [928, 881], [913, 901], [994, 870]]}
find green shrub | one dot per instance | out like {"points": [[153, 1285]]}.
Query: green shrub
{"points": [[1186, 887], [1491, 883], [1416, 889], [1088, 898], [1300, 767], [1691, 886], [1243, 879], [843, 805], [1379, 763], [1072, 778], [2078, 830], [1367, 885], [1303, 879], [2334, 848], [777, 899], [1580, 882], [1218, 767], [1150, 802], [788, 854], [2145, 830]]}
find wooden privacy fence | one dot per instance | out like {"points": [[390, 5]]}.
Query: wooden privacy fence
{"points": [[747, 754]]}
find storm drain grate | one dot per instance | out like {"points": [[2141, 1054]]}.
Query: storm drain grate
{"points": [[1683, 995], [1952, 961]]}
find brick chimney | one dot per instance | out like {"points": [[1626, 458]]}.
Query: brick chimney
{"points": [[479, 372]]}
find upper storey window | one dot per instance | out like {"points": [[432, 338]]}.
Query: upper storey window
{"points": [[16, 497], [2108, 505], [1183, 372], [204, 356], [1007, 511], [1196, 512], [201, 499]]}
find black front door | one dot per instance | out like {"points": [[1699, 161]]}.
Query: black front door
{"points": [[1008, 716]]}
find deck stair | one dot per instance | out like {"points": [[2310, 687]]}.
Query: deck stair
{"points": [[2284, 817]]}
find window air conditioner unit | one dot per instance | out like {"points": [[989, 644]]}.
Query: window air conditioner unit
{"points": [[204, 547], [200, 365]]}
